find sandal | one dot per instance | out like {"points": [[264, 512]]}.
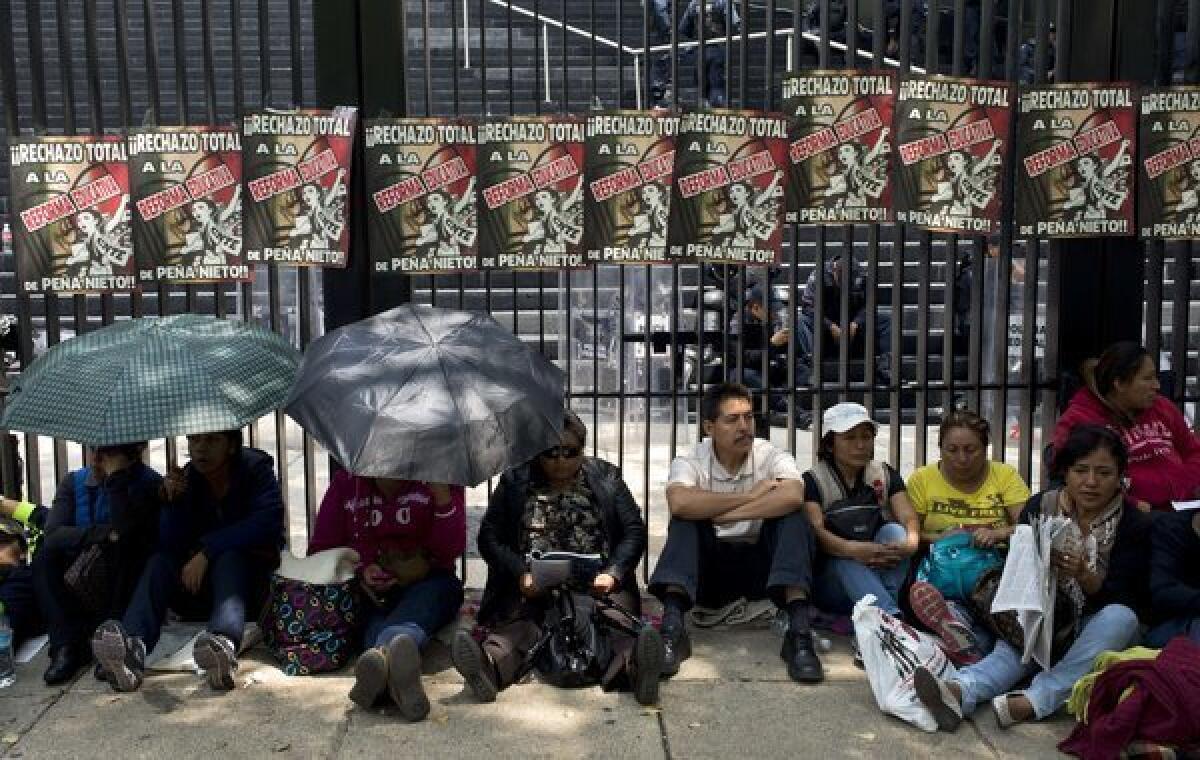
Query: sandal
{"points": [[931, 610], [1004, 716]]}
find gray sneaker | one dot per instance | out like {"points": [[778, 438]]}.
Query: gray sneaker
{"points": [[473, 664], [217, 657], [121, 657], [404, 678]]}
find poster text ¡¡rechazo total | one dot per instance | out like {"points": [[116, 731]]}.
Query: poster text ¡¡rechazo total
{"points": [[632, 177], [429, 180], [93, 193]]}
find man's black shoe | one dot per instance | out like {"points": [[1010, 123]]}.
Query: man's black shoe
{"points": [[65, 662], [677, 647], [803, 665]]}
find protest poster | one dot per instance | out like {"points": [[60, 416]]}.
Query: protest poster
{"points": [[531, 193], [1169, 172], [951, 137], [187, 206], [297, 168], [728, 192], [629, 159], [840, 150], [420, 177], [1075, 148], [70, 200]]}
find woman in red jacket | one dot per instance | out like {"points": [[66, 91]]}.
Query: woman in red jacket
{"points": [[408, 536], [1121, 393]]}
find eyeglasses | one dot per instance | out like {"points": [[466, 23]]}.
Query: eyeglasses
{"points": [[562, 452]]}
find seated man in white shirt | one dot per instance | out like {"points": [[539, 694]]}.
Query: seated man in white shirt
{"points": [[737, 529]]}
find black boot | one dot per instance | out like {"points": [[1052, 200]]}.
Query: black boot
{"points": [[677, 647], [65, 662], [803, 665]]}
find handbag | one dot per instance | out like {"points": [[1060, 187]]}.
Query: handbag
{"points": [[90, 577], [954, 564], [577, 650], [312, 627]]}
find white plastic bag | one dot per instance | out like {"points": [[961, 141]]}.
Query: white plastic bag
{"points": [[891, 651]]}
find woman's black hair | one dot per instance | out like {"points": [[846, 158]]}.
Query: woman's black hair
{"points": [[1120, 361], [825, 449], [1083, 440], [968, 420], [573, 425], [132, 451]]}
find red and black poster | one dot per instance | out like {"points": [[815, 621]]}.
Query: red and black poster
{"points": [[71, 228], [630, 157], [297, 167], [187, 205], [841, 146], [1169, 173], [951, 139], [531, 193], [727, 198], [1076, 146], [421, 189]]}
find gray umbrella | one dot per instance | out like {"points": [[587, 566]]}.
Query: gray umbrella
{"points": [[422, 393]]}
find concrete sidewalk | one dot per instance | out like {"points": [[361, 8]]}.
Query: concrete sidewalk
{"points": [[732, 699]]}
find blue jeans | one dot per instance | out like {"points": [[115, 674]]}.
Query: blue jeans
{"points": [[233, 583], [1159, 635], [1113, 628], [419, 610], [843, 582]]}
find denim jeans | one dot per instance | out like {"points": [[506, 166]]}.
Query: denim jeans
{"points": [[1113, 628], [1159, 635], [843, 582], [419, 610], [234, 584]]}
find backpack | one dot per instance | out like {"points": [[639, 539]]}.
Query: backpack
{"points": [[312, 627], [849, 518]]}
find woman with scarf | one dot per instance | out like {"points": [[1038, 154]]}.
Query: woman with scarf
{"points": [[1102, 572]]}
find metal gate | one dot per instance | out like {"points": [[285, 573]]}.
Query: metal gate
{"points": [[974, 321]]}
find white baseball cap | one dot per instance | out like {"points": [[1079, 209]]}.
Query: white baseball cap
{"points": [[844, 417]]}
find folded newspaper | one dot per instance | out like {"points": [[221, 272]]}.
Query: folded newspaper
{"points": [[1029, 583]]}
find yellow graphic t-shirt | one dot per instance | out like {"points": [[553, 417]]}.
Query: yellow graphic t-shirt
{"points": [[943, 507]]}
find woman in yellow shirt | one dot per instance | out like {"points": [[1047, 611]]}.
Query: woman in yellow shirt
{"points": [[964, 490]]}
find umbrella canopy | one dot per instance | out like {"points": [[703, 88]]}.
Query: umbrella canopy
{"points": [[422, 393], [153, 377]]}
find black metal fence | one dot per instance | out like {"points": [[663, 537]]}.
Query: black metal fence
{"points": [[974, 321]]}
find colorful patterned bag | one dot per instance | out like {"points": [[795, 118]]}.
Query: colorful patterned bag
{"points": [[313, 627]]}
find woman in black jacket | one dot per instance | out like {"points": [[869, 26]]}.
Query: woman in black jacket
{"points": [[560, 501]]}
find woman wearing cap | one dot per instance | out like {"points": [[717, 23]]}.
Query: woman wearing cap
{"points": [[561, 501], [860, 512]]}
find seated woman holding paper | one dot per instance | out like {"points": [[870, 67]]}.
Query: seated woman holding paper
{"points": [[561, 502], [1100, 560], [408, 536]]}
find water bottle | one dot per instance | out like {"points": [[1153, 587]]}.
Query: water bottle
{"points": [[8, 662]]}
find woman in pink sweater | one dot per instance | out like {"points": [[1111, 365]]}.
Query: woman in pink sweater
{"points": [[408, 536], [1121, 393]]}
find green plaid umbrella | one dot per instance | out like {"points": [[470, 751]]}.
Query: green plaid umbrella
{"points": [[153, 377]]}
